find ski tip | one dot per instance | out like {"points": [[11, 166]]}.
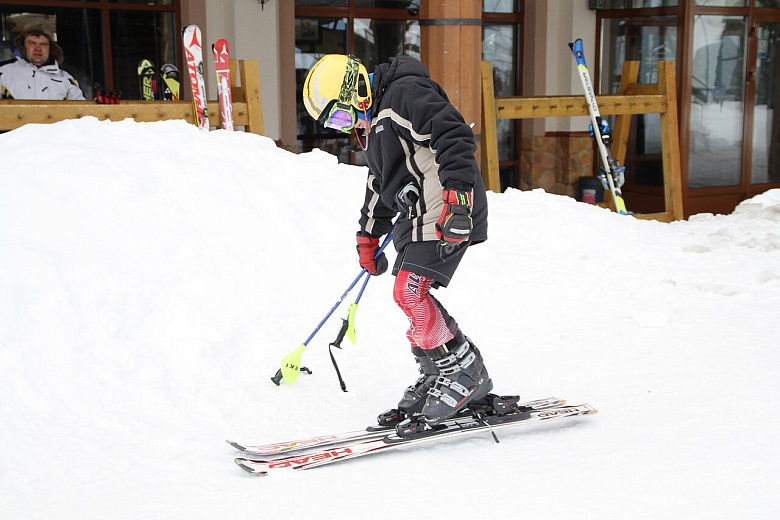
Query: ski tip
{"points": [[242, 464], [236, 445], [587, 409]]}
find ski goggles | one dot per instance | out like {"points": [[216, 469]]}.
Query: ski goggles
{"points": [[339, 116]]}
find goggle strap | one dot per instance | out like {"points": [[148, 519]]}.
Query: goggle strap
{"points": [[350, 80]]}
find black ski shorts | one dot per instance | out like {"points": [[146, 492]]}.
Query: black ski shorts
{"points": [[431, 259]]}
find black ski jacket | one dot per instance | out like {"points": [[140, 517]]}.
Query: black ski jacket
{"points": [[418, 141]]}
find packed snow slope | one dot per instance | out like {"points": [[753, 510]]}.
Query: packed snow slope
{"points": [[152, 276]]}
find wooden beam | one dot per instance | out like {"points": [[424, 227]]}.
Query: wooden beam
{"points": [[247, 110], [15, 113], [558, 106]]}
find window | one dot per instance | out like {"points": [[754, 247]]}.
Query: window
{"points": [[765, 163], [96, 53], [717, 101], [389, 29], [647, 40], [501, 37], [500, 48]]}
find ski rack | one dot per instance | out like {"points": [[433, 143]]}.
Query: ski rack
{"points": [[633, 98], [247, 106]]}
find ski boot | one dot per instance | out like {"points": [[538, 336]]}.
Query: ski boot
{"points": [[414, 396], [462, 379]]}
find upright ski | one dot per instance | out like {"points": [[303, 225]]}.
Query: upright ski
{"points": [[612, 175], [221, 51], [147, 80], [392, 441], [194, 53], [169, 75]]}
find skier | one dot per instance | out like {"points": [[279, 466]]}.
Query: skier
{"points": [[420, 155], [35, 72]]}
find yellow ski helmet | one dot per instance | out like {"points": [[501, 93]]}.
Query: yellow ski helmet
{"points": [[336, 79]]}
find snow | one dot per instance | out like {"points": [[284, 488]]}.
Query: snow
{"points": [[152, 276]]}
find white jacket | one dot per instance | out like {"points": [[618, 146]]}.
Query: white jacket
{"points": [[20, 79]]}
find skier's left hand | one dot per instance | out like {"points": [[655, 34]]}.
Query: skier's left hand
{"points": [[455, 224]]}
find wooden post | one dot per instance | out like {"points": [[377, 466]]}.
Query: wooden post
{"points": [[250, 84], [670, 141], [622, 127], [490, 170], [451, 35]]}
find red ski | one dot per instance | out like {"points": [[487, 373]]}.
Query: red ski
{"points": [[221, 51], [194, 53]]}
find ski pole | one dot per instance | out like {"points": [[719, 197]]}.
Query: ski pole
{"points": [[291, 362], [348, 325], [347, 329], [600, 128]]}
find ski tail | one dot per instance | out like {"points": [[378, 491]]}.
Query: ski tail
{"points": [[247, 466], [171, 85], [193, 51], [147, 80], [221, 50]]}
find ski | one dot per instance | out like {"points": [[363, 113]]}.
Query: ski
{"points": [[147, 80], [194, 53], [221, 51], [170, 82], [612, 174], [370, 433], [392, 441]]}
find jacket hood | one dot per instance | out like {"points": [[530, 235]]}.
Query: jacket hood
{"points": [[396, 68]]}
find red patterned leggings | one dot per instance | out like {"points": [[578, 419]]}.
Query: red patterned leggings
{"points": [[430, 325]]}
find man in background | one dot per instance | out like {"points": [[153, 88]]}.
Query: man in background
{"points": [[35, 72]]}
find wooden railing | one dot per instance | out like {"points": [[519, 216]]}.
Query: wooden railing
{"points": [[634, 98], [247, 106]]}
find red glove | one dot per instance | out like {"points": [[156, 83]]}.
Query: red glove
{"points": [[367, 247], [454, 224]]}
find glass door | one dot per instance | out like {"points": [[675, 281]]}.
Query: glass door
{"points": [[717, 101], [765, 153], [647, 40]]}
